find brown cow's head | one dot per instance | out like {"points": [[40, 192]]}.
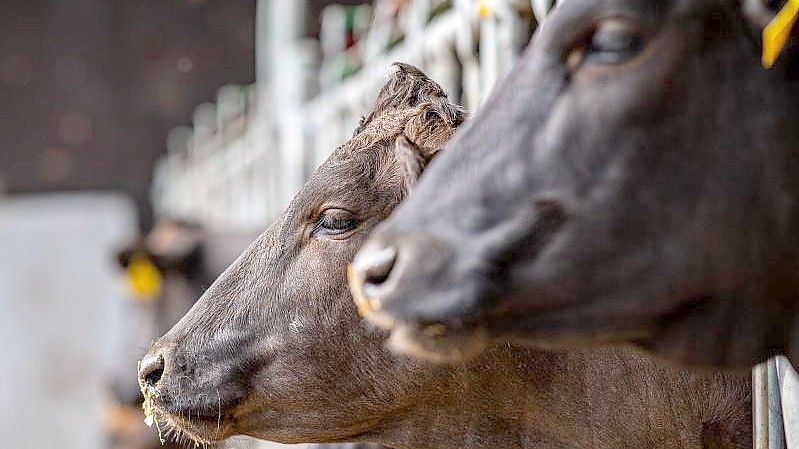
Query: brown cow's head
{"points": [[634, 178], [275, 348]]}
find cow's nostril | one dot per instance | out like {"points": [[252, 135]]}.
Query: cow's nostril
{"points": [[375, 265], [151, 370]]}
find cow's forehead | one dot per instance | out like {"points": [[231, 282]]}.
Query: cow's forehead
{"points": [[361, 165], [386, 125], [358, 158]]}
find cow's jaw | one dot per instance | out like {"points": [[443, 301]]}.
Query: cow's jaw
{"points": [[210, 420], [437, 343]]}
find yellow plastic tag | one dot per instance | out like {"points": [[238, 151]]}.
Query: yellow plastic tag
{"points": [[777, 32], [484, 9], [144, 278]]}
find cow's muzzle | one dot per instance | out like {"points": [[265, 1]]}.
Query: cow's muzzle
{"points": [[436, 291], [193, 400], [392, 276], [390, 279], [151, 369]]}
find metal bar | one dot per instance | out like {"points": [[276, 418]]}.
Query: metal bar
{"points": [[776, 434], [541, 8], [789, 395], [760, 405], [292, 134]]}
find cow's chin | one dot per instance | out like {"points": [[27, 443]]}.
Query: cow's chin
{"points": [[731, 336], [192, 427], [569, 335], [438, 343], [200, 430]]}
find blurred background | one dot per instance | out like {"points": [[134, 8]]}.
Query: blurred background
{"points": [[144, 144]]}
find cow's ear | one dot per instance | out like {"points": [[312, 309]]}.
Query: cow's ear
{"points": [[180, 256], [411, 161], [432, 127], [125, 254], [123, 257]]}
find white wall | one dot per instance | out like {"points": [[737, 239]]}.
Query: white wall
{"points": [[57, 290]]}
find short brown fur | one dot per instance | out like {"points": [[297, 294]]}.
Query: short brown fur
{"points": [[275, 349]]}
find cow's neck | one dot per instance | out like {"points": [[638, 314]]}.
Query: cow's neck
{"points": [[733, 332], [484, 404]]}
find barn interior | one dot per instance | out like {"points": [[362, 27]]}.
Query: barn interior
{"points": [[144, 145]]}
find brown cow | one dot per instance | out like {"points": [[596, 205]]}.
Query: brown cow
{"points": [[275, 348]]}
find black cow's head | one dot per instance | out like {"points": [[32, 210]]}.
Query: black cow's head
{"points": [[634, 178], [275, 348]]}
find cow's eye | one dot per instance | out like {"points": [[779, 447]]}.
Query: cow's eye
{"points": [[613, 42], [333, 222]]}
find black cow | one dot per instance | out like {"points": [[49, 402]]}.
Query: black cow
{"points": [[632, 179]]}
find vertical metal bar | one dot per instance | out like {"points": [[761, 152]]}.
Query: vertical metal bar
{"points": [[789, 394], [760, 405], [541, 8], [776, 434]]}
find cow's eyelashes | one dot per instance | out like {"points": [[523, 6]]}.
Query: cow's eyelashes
{"points": [[613, 42], [334, 222]]}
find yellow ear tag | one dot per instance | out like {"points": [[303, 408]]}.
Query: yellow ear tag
{"points": [[484, 9], [776, 33], [144, 278]]}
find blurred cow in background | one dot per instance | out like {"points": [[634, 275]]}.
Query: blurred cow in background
{"points": [[166, 270]]}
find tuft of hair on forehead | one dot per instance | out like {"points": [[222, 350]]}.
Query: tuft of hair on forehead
{"points": [[409, 87], [409, 104]]}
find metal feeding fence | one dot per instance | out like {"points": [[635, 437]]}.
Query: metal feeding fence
{"points": [[247, 154]]}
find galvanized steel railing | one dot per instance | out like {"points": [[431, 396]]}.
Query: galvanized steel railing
{"points": [[245, 156]]}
